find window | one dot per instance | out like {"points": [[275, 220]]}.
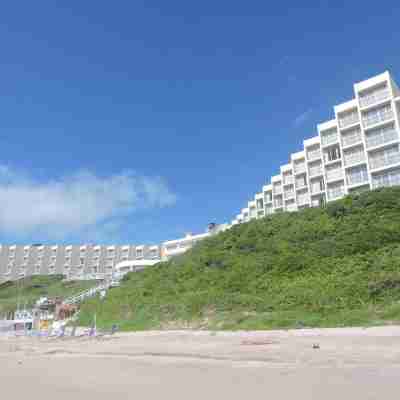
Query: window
{"points": [[332, 154]]}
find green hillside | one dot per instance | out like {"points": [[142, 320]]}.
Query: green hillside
{"points": [[335, 266], [28, 290]]}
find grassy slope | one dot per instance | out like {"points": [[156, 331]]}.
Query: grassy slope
{"points": [[30, 289], [318, 267]]}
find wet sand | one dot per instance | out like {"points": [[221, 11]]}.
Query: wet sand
{"points": [[350, 363]]}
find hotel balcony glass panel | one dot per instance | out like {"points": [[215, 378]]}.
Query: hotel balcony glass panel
{"points": [[351, 137], [385, 158], [391, 178], [315, 169], [288, 179], [291, 207], [335, 191], [381, 136], [374, 97], [299, 167], [333, 174], [303, 199], [289, 193], [349, 118], [301, 182], [354, 156], [268, 197], [314, 154], [278, 203], [329, 137], [317, 186], [378, 115], [357, 175], [269, 210]]}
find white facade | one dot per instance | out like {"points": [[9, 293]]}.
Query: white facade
{"points": [[357, 150]]}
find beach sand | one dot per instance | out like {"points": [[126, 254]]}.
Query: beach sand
{"points": [[350, 363]]}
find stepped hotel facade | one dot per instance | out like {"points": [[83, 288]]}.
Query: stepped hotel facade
{"points": [[357, 150]]}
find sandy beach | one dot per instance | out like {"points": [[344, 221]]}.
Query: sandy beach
{"points": [[349, 363]]}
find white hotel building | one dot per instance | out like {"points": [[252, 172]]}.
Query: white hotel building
{"points": [[357, 150]]}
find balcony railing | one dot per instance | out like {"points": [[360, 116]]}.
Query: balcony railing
{"points": [[288, 180], [301, 185], [314, 155], [382, 137], [386, 180], [348, 120], [377, 117], [385, 160], [298, 169], [354, 158], [288, 194], [374, 97], [348, 140], [334, 174], [329, 139], [335, 193], [358, 178], [303, 200], [316, 171]]}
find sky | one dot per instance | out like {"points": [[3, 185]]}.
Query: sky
{"points": [[138, 121]]}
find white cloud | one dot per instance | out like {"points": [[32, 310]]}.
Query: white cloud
{"points": [[302, 118], [76, 204]]}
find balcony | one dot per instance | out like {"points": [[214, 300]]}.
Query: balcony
{"points": [[384, 136], [354, 158], [384, 161], [300, 168], [374, 98], [288, 180], [334, 174], [388, 179], [314, 155], [378, 116], [358, 178], [335, 193], [349, 140], [349, 120], [303, 200], [327, 140], [289, 194], [315, 171], [291, 207]]}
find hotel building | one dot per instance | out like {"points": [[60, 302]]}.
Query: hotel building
{"points": [[357, 150]]}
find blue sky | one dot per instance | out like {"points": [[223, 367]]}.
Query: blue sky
{"points": [[137, 121]]}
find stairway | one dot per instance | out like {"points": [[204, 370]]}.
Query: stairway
{"points": [[78, 298]]}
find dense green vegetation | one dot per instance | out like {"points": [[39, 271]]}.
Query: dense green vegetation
{"points": [[335, 266], [26, 291]]}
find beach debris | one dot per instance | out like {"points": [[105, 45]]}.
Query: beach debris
{"points": [[257, 342], [315, 346]]}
